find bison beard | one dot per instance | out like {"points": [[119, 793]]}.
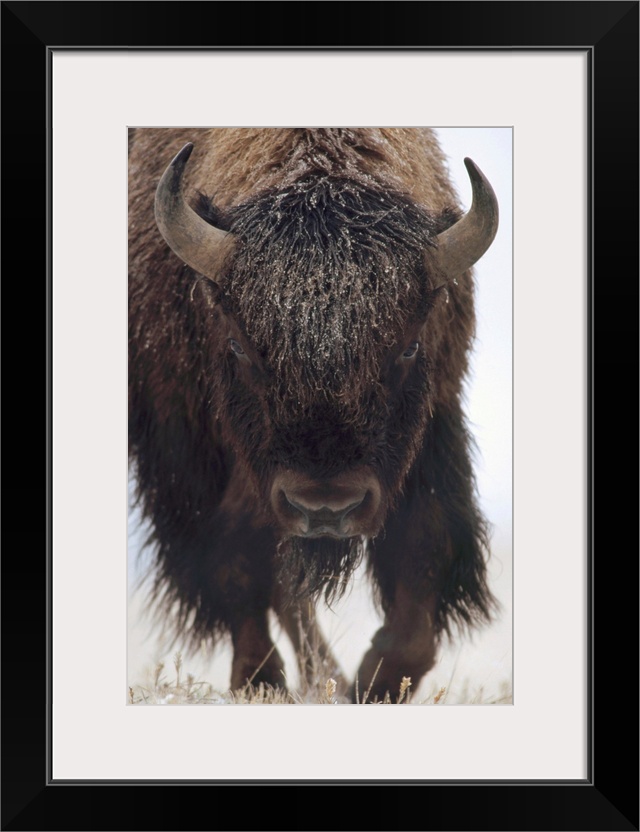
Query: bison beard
{"points": [[285, 349], [309, 568]]}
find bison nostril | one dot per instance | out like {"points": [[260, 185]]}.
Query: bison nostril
{"points": [[290, 508], [351, 508]]}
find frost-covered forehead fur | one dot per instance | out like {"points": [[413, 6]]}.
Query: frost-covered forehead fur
{"points": [[326, 276]]}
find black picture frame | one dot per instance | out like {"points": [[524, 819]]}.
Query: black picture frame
{"points": [[608, 31]]}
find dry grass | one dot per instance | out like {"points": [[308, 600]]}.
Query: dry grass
{"points": [[181, 689]]}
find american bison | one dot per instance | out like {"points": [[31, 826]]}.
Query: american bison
{"points": [[301, 313]]}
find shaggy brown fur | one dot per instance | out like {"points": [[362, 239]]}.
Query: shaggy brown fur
{"points": [[330, 281]]}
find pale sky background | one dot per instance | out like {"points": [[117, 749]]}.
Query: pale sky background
{"points": [[485, 660]]}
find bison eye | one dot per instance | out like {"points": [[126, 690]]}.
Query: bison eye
{"points": [[411, 350], [235, 347]]}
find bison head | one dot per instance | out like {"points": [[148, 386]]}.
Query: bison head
{"points": [[330, 323]]}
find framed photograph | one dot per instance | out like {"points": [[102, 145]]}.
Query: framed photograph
{"points": [[561, 81]]}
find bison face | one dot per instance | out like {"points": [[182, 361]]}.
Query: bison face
{"points": [[327, 458], [328, 443]]}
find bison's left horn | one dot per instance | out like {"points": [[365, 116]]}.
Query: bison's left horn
{"points": [[460, 246], [191, 238]]}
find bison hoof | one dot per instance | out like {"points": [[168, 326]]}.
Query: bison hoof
{"points": [[246, 672]]}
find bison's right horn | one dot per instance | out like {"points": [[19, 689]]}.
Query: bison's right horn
{"points": [[460, 246], [191, 238]]}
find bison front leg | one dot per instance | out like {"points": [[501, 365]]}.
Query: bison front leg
{"points": [[430, 564], [405, 647], [241, 581], [255, 658]]}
